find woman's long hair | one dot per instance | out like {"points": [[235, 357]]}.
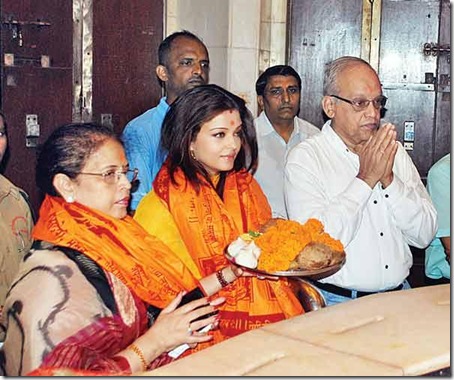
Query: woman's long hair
{"points": [[184, 120]]}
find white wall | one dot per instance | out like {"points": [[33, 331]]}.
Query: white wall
{"points": [[209, 20], [243, 38]]}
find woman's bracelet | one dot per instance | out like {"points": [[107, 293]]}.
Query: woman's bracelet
{"points": [[140, 354], [221, 278]]}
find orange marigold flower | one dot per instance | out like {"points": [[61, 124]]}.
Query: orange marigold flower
{"points": [[282, 242]]}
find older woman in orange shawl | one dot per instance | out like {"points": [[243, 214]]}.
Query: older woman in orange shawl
{"points": [[204, 197], [97, 292]]}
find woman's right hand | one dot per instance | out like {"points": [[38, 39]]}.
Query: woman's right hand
{"points": [[237, 271], [175, 325]]}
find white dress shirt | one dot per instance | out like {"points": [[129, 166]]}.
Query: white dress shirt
{"points": [[272, 153], [374, 225]]}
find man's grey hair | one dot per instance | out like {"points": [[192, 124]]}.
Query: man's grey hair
{"points": [[334, 68]]}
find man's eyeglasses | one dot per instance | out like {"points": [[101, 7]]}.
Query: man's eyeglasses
{"points": [[113, 176], [278, 92], [361, 104]]}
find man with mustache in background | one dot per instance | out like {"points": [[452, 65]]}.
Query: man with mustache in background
{"points": [[278, 130], [183, 63]]}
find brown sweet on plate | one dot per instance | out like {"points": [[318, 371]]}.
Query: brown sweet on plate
{"points": [[271, 223], [316, 256]]}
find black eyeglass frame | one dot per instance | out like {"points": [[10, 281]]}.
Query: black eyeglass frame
{"points": [[381, 103]]}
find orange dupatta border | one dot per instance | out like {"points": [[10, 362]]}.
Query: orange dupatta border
{"points": [[120, 246]]}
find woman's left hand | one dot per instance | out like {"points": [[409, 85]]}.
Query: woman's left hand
{"points": [[243, 272], [176, 325]]}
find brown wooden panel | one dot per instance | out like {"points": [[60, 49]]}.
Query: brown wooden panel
{"points": [[28, 88], [45, 92], [403, 68], [417, 106], [54, 40], [319, 32], [126, 36]]}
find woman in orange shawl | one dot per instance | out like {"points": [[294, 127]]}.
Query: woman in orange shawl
{"points": [[89, 294], [204, 197]]}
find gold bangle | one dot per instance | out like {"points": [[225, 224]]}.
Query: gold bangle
{"points": [[140, 354]]}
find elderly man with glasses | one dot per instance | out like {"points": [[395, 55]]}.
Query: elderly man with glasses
{"points": [[361, 184]]}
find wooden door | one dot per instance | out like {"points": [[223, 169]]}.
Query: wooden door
{"points": [[126, 36], [30, 30], [74, 60], [409, 75], [319, 32]]}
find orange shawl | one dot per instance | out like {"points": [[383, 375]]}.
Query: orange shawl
{"points": [[207, 225], [120, 246]]}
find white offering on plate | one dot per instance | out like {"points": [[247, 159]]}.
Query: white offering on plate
{"points": [[245, 253]]}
